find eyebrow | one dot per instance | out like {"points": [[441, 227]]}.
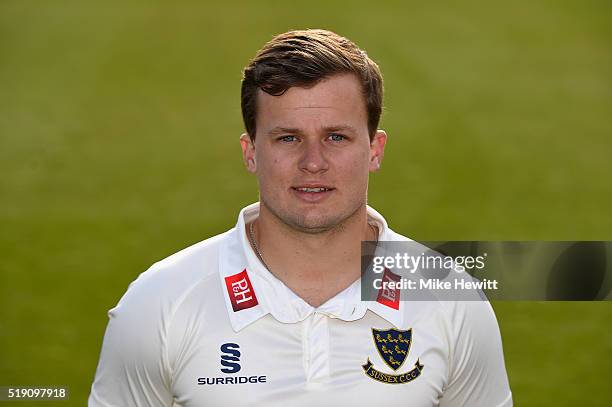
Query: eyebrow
{"points": [[275, 131]]}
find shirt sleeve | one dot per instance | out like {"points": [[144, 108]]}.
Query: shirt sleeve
{"points": [[133, 367], [477, 374]]}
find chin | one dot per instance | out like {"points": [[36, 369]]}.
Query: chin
{"points": [[314, 225], [313, 221]]}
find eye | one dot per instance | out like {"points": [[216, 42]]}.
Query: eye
{"points": [[287, 139], [337, 137]]}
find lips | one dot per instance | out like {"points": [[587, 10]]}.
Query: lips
{"points": [[313, 188], [312, 192], [317, 189]]}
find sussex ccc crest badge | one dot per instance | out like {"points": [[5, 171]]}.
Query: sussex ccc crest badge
{"points": [[393, 346]]}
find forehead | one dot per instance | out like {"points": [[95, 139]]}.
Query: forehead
{"points": [[332, 101]]}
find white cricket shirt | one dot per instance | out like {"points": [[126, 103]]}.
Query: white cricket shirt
{"points": [[211, 326]]}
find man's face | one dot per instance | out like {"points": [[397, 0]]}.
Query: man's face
{"points": [[312, 153]]}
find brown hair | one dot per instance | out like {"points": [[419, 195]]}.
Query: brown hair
{"points": [[303, 58]]}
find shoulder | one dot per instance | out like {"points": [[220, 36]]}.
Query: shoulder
{"points": [[175, 274], [469, 319], [154, 296]]}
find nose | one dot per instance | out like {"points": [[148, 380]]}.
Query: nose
{"points": [[313, 157]]}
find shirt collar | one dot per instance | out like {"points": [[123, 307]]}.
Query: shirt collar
{"points": [[265, 294]]}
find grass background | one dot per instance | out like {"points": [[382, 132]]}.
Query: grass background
{"points": [[119, 125]]}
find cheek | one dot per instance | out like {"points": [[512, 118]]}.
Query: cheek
{"points": [[268, 157], [270, 171], [274, 166], [355, 172], [359, 163]]}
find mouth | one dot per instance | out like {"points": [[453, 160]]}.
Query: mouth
{"points": [[312, 193], [313, 190]]}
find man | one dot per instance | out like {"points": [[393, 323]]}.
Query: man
{"points": [[269, 313]]}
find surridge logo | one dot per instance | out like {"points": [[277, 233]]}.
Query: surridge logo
{"points": [[393, 347], [230, 362], [230, 357]]}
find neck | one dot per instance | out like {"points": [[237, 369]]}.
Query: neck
{"points": [[316, 266]]}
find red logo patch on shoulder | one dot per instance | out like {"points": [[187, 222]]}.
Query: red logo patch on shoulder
{"points": [[387, 296], [240, 291]]}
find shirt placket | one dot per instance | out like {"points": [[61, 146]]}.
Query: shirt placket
{"points": [[316, 348]]}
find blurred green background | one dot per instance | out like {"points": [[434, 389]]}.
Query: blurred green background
{"points": [[119, 125]]}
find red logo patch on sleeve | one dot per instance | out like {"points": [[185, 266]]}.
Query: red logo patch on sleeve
{"points": [[240, 291], [387, 296]]}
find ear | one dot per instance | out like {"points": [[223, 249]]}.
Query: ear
{"points": [[248, 152], [377, 150]]}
